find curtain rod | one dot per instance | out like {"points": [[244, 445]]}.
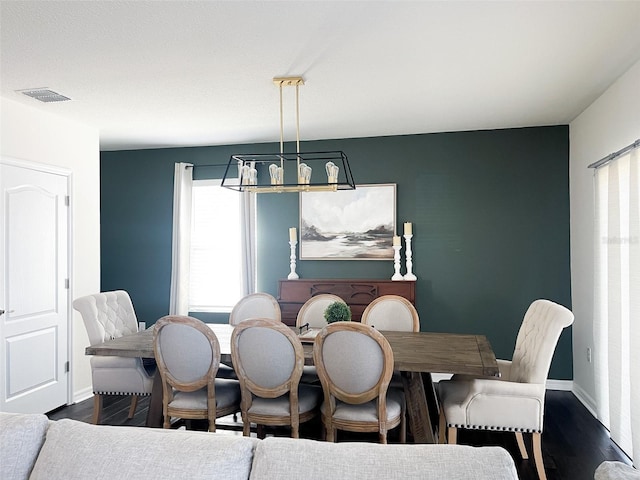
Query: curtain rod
{"points": [[211, 165], [613, 156]]}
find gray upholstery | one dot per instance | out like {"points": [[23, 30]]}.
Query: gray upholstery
{"points": [[284, 459], [77, 451], [186, 352], [309, 397], [262, 348], [616, 471], [268, 358], [21, 437], [188, 356], [71, 450], [361, 353], [368, 412]]}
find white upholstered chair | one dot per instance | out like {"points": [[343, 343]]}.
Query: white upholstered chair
{"points": [[268, 358], [515, 401], [355, 364], [312, 311], [311, 315], [255, 305], [393, 313], [110, 315], [188, 355]]}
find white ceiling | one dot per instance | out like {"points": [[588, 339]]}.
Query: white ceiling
{"points": [[164, 73]]}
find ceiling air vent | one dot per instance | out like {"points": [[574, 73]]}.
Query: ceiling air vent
{"points": [[44, 95]]}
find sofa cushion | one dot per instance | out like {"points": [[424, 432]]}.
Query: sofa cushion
{"points": [[21, 437], [616, 471], [285, 458], [76, 450]]}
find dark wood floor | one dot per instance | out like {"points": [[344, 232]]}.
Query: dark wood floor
{"points": [[573, 443]]}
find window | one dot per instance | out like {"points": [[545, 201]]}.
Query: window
{"points": [[215, 280]]}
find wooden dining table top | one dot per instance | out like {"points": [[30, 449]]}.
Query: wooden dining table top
{"points": [[412, 351]]}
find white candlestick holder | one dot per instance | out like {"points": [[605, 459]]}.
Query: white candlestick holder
{"points": [[293, 275], [396, 263], [409, 275]]}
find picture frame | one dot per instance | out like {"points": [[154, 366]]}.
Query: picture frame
{"points": [[348, 224]]}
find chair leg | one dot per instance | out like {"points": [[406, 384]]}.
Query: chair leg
{"points": [[246, 427], [537, 455], [442, 425], [260, 431], [521, 446], [452, 435], [97, 408], [134, 405], [403, 427]]}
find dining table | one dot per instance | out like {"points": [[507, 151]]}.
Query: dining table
{"points": [[416, 355]]}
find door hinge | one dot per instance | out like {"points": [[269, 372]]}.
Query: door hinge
{"points": [[66, 283], [66, 366], [67, 200]]}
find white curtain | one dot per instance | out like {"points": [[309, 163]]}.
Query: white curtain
{"points": [[181, 240], [617, 300], [248, 235]]}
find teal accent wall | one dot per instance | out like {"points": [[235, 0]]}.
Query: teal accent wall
{"points": [[490, 214]]}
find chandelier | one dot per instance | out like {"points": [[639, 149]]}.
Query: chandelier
{"points": [[289, 172]]}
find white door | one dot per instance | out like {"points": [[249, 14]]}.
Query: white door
{"points": [[34, 329]]}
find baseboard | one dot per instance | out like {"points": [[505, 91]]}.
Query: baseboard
{"points": [[588, 402], [564, 385], [80, 395]]}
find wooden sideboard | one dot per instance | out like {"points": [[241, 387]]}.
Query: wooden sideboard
{"points": [[357, 293]]}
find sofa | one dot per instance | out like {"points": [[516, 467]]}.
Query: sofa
{"points": [[33, 447]]}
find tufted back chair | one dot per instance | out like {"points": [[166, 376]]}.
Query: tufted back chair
{"points": [[536, 342], [355, 364], [515, 401], [109, 315]]}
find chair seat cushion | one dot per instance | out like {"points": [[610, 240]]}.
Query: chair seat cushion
{"points": [[368, 412], [309, 397], [227, 394], [504, 407]]}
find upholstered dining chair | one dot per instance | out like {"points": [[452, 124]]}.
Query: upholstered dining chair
{"points": [[355, 363], [311, 315], [188, 355], [268, 358], [110, 315], [312, 311], [393, 313], [255, 305], [515, 401]]}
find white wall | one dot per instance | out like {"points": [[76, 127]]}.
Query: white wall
{"points": [[36, 135], [609, 124]]}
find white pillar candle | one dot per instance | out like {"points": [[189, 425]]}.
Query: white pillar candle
{"points": [[396, 240], [408, 229], [293, 235]]}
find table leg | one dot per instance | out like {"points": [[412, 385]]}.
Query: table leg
{"points": [[154, 414], [417, 409]]}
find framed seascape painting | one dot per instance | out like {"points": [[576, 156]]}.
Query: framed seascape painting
{"points": [[348, 224]]}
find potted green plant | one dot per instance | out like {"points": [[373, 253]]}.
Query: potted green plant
{"points": [[337, 312]]}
